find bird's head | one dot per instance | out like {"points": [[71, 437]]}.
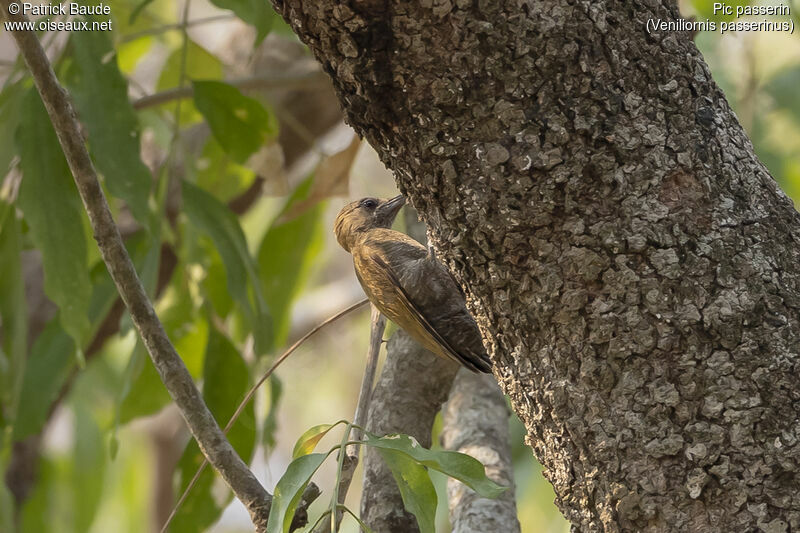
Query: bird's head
{"points": [[363, 215]]}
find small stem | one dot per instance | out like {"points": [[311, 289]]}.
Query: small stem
{"points": [[345, 475], [377, 327], [339, 480]]}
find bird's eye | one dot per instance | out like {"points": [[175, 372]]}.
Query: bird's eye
{"points": [[370, 203]]}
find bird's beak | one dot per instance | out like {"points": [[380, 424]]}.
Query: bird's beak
{"points": [[386, 211]]}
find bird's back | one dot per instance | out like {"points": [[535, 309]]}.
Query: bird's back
{"points": [[417, 293]]}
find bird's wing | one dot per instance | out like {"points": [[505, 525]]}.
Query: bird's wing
{"points": [[424, 289]]}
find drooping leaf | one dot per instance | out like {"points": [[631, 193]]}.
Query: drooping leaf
{"points": [[308, 440], [457, 465], [87, 467], [13, 316], [138, 10], [50, 361], [100, 93], [146, 394], [290, 489], [416, 488], [49, 364], [6, 507], [215, 220], [217, 173], [286, 256], [255, 12], [240, 124], [200, 64], [49, 200], [225, 383]]}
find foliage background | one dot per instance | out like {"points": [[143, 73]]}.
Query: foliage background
{"points": [[226, 200]]}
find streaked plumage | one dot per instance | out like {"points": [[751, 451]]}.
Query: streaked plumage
{"points": [[408, 284]]}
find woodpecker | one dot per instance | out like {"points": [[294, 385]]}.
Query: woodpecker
{"points": [[407, 284]]}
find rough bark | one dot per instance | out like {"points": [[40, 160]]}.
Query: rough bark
{"points": [[631, 263], [476, 423]]}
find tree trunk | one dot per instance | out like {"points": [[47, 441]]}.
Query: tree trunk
{"points": [[632, 265], [476, 423]]}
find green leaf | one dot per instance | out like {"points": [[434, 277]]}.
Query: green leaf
{"points": [[52, 209], [100, 93], [240, 124], [146, 394], [218, 174], [51, 358], [225, 383], [290, 489], [6, 507], [286, 256], [255, 12], [199, 64], [49, 364], [308, 440], [215, 220], [138, 9], [14, 318], [416, 488], [87, 468], [457, 465], [783, 89]]}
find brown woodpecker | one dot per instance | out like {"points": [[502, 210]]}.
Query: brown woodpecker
{"points": [[408, 284]]}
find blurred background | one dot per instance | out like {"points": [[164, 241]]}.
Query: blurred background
{"points": [[225, 194]]}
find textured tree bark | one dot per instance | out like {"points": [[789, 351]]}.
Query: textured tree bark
{"points": [[632, 265], [476, 423]]}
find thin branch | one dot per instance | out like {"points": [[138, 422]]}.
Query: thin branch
{"points": [[249, 396], [377, 327], [348, 460], [314, 78], [173, 372]]}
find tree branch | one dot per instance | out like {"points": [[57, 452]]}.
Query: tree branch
{"points": [[170, 367], [476, 423]]}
